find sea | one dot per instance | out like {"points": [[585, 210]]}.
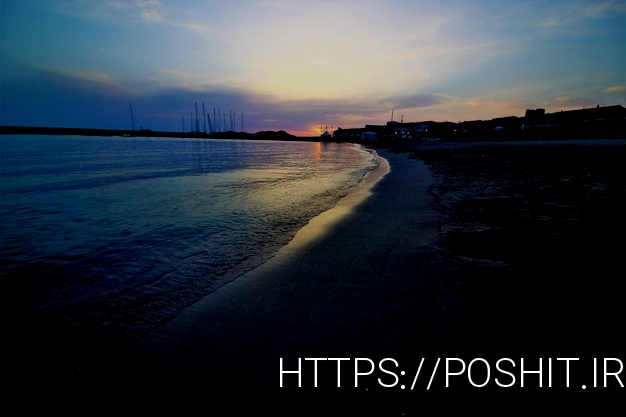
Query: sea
{"points": [[105, 238]]}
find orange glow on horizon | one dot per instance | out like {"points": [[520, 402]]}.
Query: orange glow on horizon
{"points": [[308, 131], [457, 111]]}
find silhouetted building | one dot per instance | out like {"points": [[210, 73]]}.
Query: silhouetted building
{"points": [[534, 114], [352, 134], [592, 114]]}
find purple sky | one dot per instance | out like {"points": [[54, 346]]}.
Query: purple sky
{"points": [[298, 65]]}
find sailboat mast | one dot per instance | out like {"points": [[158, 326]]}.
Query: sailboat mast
{"points": [[132, 117], [204, 117], [197, 121]]}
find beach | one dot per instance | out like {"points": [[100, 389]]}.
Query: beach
{"points": [[360, 288], [482, 252]]}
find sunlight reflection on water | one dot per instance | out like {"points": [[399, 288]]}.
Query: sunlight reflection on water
{"points": [[129, 231]]}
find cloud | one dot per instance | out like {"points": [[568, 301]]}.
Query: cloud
{"points": [[148, 11], [572, 16], [51, 96], [55, 97], [90, 80], [569, 102], [616, 89], [411, 101], [198, 28], [110, 10], [605, 9], [272, 3], [151, 16]]}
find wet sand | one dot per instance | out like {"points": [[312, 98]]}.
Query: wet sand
{"points": [[361, 288]]}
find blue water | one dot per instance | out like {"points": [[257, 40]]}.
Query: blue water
{"points": [[123, 233]]}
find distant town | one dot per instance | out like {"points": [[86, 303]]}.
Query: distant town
{"points": [[607, 122], [590, 123]]}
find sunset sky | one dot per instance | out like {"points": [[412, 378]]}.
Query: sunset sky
{"points": [[297, 65]]}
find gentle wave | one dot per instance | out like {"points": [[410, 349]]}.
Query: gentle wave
{"points": [[126, 232]]}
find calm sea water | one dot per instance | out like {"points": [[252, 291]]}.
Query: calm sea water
{"points": [[123, 233]]}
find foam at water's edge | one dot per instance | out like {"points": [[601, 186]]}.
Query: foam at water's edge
{"points": [[323, 222]]}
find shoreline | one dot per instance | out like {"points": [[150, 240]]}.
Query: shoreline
{"points": [[486, 252], [291, 266], [362, 289]]}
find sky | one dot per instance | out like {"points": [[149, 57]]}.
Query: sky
{"points": [[298, 65]]}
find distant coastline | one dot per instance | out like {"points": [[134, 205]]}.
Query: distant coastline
{"points": [[591, 123], [37, 130]]}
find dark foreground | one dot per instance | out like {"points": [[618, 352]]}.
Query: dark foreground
{"points": [[533, 234], [483, 252]]}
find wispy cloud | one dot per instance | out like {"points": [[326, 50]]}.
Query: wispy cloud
{"points": [[91, 80], [162, 106], [111, 10], [198, 28], [274, 3], [200, 81], [414, 101], [151, 16], [616, 89], [148, 11], [569, 102], [606, 8], [570, 16]]}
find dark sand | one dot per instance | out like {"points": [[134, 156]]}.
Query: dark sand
{"points": [[534, 236], [361, 288], [482, 252]]}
